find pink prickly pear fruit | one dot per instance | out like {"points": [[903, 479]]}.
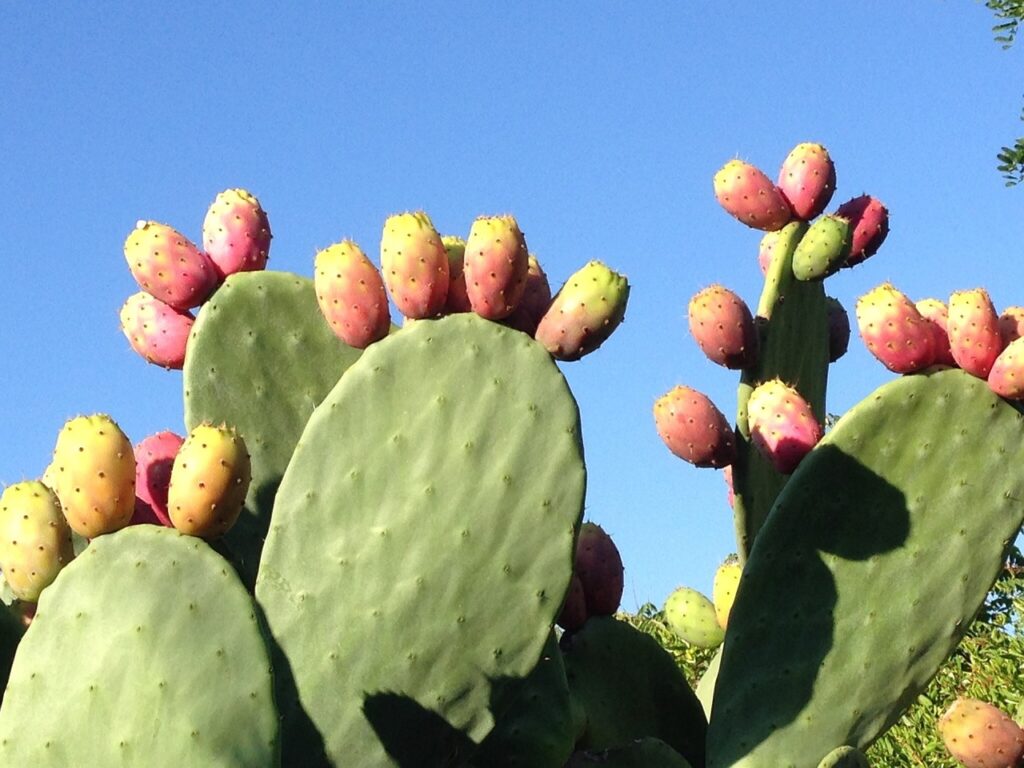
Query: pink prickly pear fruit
{"points": [[587, 310], [535, 302], [154, 458], [766, 251], [599, 568], [807, 180], [935, 312], [415, 265], [574, 610], [694, 429], [722, 325], [496, 264], [168, 266], [350, 292], [236, 233], [457, 299], [973, 328], [723, 589], [730, 491], [1006, 378], [838, 329], [782, 425], [35, 540], [93, 474], [894, 330], [1011, 324], [747, 194], [209, 480], [869, 225], [157, 331], [980, 735]]}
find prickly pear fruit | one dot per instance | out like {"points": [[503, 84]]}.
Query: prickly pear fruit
{"points": [[599, 568], [574, 610], [782, 425], [1006, 378], [236, 233], [894, 331], [415, 265], [722, 325], [350, 292], [935, 312], [981, 735], [973, 327], [157, 331], [692, 617], [1011, 324], [535, 302], [154, 458], [93, 473], [587, 309], [694, 429], [209, 480], [457, 299], [168, 266], [723, 589], [869, 225], [807, 180], [747, 194], [496, 262], [823, 249], [838, 328], [730, 490], [35, 540], [766, 250]]}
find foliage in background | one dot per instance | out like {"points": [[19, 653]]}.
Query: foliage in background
{"points": [[988, 665], [1010, 14]]}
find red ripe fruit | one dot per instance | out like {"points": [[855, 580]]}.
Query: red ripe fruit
{"points": [[936, 313], [807, 180], [869, 225], [574, 609], [838, 329], [598, 566], [747, 194], [415, 265], [1006, 378], [782, 425], [350, 294], [894, 331], [154, 459], [535, 301], [980, 735], [1011, 324], [157, 331], [236, 233], [973, 329], [723, 327], [694, 429], [168, 266], [457, 299]]}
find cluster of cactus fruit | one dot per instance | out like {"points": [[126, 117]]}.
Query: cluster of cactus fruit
{"points": [[370, 548]]}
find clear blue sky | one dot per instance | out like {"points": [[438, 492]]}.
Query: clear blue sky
{"points": [[599, 125]]}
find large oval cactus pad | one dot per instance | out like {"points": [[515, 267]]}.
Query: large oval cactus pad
{"points": [[260, 358], [422, 538], [876, 556], [145, 651]]}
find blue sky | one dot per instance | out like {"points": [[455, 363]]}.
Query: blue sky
{"points": [[598, 125]]}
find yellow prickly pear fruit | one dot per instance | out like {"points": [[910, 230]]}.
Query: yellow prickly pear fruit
{"points": [[723, 589], [209, 481], [35, 540], [93, 475]]}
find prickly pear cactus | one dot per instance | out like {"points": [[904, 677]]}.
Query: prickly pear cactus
{"points": [[867, 571], [440, 483], [146, 650], [261, 357]]}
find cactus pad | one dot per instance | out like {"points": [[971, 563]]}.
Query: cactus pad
{"points": [[868, 571], [391, 563], [260, 359], [168, 662]]}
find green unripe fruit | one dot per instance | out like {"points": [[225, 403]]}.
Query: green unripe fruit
{"points": [[823, 250], [692, 616]]}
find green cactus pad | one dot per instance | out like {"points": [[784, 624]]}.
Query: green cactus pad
{"points": [[422, 539], [706, 685], [631, 688], [844, 757], [145, 651], [11, 630], [875, 558], [794, 348], [642, 753], [534, 725], [260, 358]]}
